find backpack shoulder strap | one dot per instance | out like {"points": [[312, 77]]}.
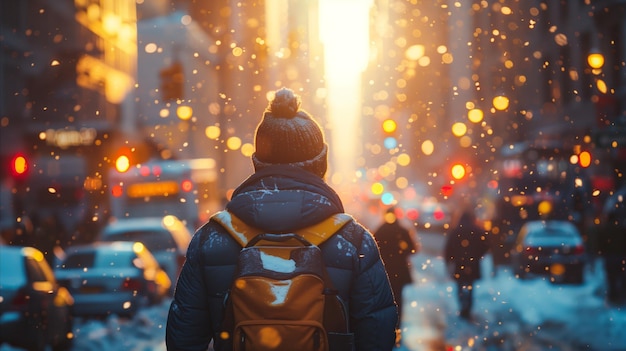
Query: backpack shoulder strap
{"points": [[315, 234]]}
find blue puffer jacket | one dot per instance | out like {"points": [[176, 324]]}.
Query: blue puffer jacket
{"points": [[281, 199]]}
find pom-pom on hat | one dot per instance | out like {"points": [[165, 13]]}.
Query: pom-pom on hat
{"points": [[289, 135]]}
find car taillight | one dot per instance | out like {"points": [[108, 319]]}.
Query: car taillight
{"points": [[186, 185], [578, 250], [132, 284], [20, 300], [438, 214], [152, 288]]}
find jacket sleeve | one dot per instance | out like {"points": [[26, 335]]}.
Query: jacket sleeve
{"points": [[373, 309], [188, 324]]}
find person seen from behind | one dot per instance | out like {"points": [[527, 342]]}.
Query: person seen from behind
{"points": [[287, 192], [464, 249], [396, 247]]}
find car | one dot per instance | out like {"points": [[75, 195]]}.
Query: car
{"points": [[112, 278], [553, 248], [166, 237], [35, 310], [433, 215]]}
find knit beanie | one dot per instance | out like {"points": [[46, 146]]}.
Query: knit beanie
{"points": [[289, 135]]}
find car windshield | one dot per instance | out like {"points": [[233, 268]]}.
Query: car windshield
{"points": [[154, 240], [95, 259], [552, 233], [79, 260]]}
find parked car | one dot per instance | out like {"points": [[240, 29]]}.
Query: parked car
{"points": [[553, 248], [112, 278], [167, 238], [35, 311]]}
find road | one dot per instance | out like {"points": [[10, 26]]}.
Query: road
{"points": [[508, 314]]}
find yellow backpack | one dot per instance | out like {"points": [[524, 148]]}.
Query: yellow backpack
{"points": [[281, 297]]}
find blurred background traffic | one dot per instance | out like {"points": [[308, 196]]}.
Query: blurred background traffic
{"points": [[518, 107]]}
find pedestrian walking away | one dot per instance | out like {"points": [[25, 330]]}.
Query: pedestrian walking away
{"points": [[464, 249], [286, 194], [396, 247]]}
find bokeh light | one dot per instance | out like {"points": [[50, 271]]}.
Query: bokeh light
{"points": [[475, 115], [500, 102]]}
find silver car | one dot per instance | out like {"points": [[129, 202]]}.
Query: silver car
{"points": [[35, 311], [112, 278], [553, 248], [166, 237]]}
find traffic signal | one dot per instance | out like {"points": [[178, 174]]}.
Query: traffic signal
{"points": [[19, 166], [458, 171], [172, 79], [122, 163], [123, 159], [389, 128], [584, 159]]}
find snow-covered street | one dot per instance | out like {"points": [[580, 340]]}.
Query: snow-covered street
{"points": [[509, 314]]}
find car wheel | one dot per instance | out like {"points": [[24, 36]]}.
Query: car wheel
{"points": [[36, 332]]}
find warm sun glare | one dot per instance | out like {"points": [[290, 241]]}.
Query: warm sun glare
{"points": [[344, 32]]}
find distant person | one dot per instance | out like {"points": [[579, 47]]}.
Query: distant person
{"points": [[612, 249], [287, 192], [464, 249], [396, 247]]}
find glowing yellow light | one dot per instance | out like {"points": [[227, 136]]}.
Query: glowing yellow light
{"points": [[233, 143], [377, 188], [601, 86], [458, 171], [415, 52], [584, 159], [428, 147], [475, 115], [122, 164], [404, 159], [138, 247], [212, 132], [544, 207], [184, 112], [111, 23], [389, 126], [500, 102], [247, 149], [595, 60], [459, 129]]}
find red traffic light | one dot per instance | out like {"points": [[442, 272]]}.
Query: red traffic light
{"points": [[19, 165]]}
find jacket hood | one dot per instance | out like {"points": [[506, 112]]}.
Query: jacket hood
{"points": [[283, 198]]}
